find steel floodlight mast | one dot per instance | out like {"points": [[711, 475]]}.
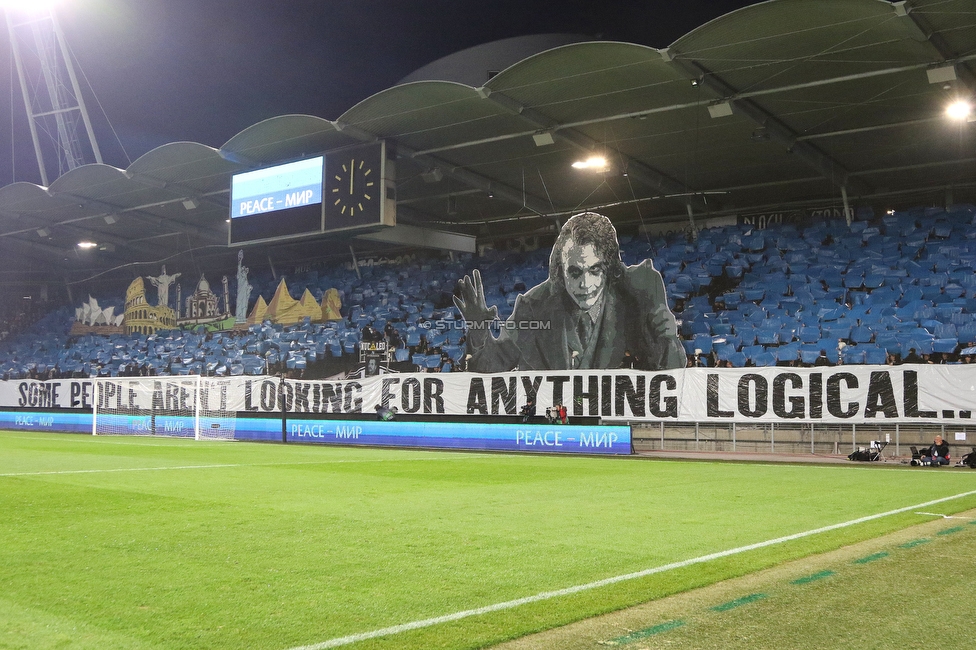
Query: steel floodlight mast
{"points": [[49, 86]]}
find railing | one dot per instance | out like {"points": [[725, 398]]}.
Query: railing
{"points": [[819, 439]]}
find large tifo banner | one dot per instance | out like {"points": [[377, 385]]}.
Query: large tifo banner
{"points": [[854, 394]]}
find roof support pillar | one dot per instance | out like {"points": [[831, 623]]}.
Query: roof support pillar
{"points": [[355, 262], [848, 216]]}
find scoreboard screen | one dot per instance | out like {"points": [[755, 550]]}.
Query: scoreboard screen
{"points": [[280, 201], [345, 190]]}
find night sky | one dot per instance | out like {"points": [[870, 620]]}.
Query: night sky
{"points": [[203, 70]]}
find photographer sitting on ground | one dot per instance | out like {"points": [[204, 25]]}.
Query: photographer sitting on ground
{"points": [[937, 454]]}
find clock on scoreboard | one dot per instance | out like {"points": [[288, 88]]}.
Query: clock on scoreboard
{"points": [[346, 190]]}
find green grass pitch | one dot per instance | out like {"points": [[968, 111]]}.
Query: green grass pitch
{"points": [[112, 542]]}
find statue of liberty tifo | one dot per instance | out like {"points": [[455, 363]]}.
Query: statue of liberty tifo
{"points": [[243, 290]]}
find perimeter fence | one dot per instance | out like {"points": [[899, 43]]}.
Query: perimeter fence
{"points": [[820, 439]]}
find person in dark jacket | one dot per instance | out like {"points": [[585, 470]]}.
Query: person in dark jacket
{"points": [[937, 453], [528, 411]]}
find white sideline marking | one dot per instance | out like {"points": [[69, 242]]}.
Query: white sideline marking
{"points": [[939, 514], [546, 595]]}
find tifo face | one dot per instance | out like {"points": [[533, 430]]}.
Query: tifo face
{"points": [[585, 273]]}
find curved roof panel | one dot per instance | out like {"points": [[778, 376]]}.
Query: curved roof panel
{"points": [[764, 48], [281, 138], [195, 165], [779, 104], [89, 181], [474, 65], [429, 114], [19, 197], [587, 81]]}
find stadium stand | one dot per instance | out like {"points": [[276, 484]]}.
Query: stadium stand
{"points": [[784, 295]]}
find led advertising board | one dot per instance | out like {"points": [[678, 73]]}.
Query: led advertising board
{"points": [[551, 439]]}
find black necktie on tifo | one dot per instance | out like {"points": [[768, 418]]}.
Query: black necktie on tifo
{"points": [[584, 328]]}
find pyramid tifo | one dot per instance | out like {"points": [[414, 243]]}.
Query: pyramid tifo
{"points": [[284, 309], [331, 305], [258, 312]]}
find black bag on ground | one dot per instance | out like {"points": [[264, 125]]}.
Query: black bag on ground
{"points": [[970, 459]]}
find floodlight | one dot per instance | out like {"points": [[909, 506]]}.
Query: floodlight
{"points": [[28, 6], [596, 163], [959, 110], [87, 244]]}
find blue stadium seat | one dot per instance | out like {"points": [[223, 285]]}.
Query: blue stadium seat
{"points": [[888, 341], [788, 352], [732, 299], [874, 355], [852, 355], [720, 326], [738, 360], [767, 336], [861, 335], [838, 330], [809, 354], [754, 294], [945, 345], [703, 342], [829, 346], [455, 352], [723, 351]]}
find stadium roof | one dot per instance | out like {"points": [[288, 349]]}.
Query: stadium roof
{"points": [[778, 105]]}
